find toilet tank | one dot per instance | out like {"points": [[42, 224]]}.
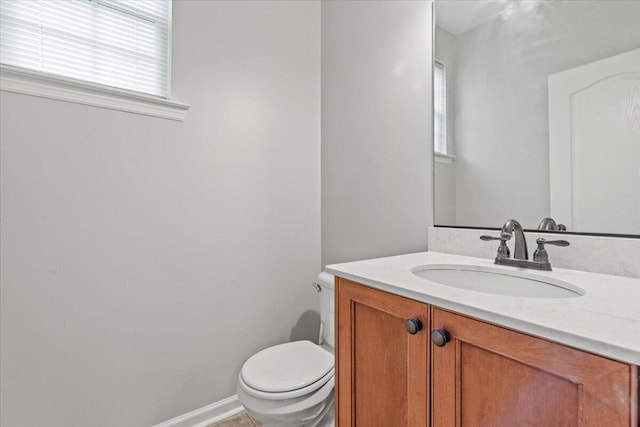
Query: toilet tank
{"points": [[327, 309]]}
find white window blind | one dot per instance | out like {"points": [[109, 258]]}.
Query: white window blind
{"points": [[439, 108], [118, 43]]}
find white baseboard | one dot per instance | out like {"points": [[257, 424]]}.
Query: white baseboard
{"points": [[206, 415]]}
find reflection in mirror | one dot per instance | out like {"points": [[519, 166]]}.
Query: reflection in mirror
{"points": [[537, 114]]}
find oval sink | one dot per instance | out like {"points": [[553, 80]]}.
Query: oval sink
{"points": [[498, 281]]}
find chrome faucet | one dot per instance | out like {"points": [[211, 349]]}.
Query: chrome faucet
{"points": [[513, 227], [520, 254], [549, 224]]}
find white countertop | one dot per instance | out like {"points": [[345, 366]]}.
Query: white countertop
{"points": [[605, 320]]}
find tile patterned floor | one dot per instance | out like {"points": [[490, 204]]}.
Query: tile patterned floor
{"points": [[238, 420]]}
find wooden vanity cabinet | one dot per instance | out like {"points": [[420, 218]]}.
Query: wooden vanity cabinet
{"points": [[485, 375], [382, 370]]}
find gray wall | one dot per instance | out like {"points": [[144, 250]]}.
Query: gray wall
{"points": [[143, 260], [376, 128], [444, 191]]}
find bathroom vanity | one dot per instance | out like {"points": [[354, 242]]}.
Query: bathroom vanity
{"points": [[414, 351]]}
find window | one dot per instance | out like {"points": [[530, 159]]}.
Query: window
{"points": [[118, 43], [439, 108]]}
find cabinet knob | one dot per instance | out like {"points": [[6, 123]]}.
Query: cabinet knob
{"points": [[413, 325], [440, 337]]}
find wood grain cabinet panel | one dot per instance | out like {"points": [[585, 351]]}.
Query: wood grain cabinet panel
{"points": [[382, 370], [488, 375]]}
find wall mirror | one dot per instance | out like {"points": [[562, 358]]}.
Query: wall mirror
{"points": [[537, 114]]}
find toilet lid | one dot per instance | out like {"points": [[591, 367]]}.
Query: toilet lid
{"points": [[287, 367]]}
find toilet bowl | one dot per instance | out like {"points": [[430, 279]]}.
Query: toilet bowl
{"points": [[292, 384]]}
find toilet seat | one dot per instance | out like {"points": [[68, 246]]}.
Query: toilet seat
{"points": [[287, 371], [287, 394]]}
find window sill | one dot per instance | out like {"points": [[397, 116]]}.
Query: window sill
{"points": [[444, 158], [36, 84]]}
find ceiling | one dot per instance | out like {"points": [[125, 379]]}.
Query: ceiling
{"points": [[459, 16]]}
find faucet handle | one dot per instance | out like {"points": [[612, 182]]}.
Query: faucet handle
{"points": [[541, 255], [542, 242], [503, 249], [488, 238]]}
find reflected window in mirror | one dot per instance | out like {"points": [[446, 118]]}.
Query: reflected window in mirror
{"points": [[440, 145]]}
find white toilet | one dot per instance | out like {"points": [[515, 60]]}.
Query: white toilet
{"points": [[292, 384]]}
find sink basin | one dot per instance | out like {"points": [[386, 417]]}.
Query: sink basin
{"points": [[498, 281]]}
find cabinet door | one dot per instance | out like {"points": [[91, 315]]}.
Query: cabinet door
{"points": [[381, 370], [487, 375]]}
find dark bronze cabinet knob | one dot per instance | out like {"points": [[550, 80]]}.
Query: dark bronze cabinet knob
{"points": [[413, 325], [440, 337]]}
